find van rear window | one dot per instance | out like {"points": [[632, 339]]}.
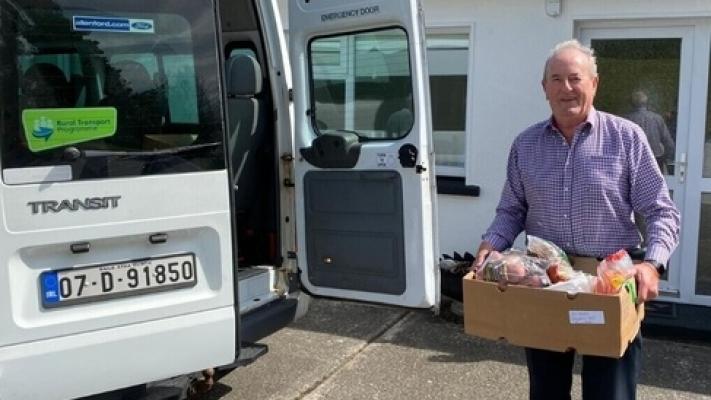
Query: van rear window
{"points": [[112, 89]]}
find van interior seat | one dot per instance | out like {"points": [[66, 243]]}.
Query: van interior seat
{"points": [[246, 124], [45, 85], [140, 103], [135, 76]]}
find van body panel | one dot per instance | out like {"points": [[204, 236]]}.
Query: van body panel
{"points": [[96, 361], [121, 271]]}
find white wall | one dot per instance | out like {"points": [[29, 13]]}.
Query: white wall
{"points": [[511, 40]]}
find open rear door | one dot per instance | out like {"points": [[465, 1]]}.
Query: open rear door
{"points": [[363, 168]]}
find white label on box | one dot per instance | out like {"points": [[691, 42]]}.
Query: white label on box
{"points": [[586, 317]]}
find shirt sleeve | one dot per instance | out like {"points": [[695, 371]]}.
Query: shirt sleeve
{"points": [[511, 211], [650, 198]]}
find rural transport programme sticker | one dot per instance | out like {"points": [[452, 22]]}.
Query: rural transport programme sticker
{"points": [[48, 128]]}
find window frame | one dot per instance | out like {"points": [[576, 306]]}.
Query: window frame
{"points": [[343, 34], [458, 28]]}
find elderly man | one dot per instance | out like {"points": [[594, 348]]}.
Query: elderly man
{"points": [[576, 179]]}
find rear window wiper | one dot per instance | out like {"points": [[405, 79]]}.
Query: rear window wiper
{"points": [[72, 153]]}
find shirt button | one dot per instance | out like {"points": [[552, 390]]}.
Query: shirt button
{"points": [[565, 215], [567, 244], [565, 189]]}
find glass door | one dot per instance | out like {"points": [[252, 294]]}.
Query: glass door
{"points": [[697, 278], [645, 76]]}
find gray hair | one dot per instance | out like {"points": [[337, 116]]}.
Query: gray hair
{"points": [[588, 52]]}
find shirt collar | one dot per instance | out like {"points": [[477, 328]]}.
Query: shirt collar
{"points": [[588, 126]]}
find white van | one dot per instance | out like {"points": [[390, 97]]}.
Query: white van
{"points": [[167, 194]]}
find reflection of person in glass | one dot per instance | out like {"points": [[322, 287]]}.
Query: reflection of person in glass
{"points": [[655, 128]]}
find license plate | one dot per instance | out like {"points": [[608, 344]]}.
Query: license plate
{"points": [[106, 281]]}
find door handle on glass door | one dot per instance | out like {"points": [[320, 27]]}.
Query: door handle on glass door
{"points": [[681, 163]]}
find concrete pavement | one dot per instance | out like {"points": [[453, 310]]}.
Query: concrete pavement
{"points": [[343, 350]]}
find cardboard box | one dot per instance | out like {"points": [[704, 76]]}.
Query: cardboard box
{"points": [[591, 324]]}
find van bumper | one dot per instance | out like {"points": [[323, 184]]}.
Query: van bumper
{"points": [[108, 359]]}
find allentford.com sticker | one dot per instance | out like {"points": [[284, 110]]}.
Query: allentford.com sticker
{"points": [[106, 24], [48, 128]]}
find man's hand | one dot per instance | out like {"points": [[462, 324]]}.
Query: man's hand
{"points": [[647, 282], [484, 249]]}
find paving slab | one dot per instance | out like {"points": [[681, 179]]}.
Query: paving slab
{"points": [[425, 357], [344, 350], [307, 352]]}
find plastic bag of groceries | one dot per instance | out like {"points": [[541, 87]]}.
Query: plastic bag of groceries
{"points": [[558, 265], [513, 267], [578, 282], [615, 272]]}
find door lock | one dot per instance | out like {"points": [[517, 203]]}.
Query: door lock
{"points": [[408, 155]]}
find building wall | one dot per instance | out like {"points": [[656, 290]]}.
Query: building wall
{"points": [[511, 39]]}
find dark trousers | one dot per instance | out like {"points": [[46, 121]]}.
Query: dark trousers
{"points": [[550, 374]]}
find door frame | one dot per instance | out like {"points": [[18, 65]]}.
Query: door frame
{"points": [[695, 34], [697, 185]]}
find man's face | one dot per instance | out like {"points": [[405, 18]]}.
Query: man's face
{"points": [[569, 86]]}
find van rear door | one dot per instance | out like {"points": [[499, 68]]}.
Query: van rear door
{"points": [[364, 168]]}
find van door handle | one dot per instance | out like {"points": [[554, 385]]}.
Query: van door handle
{"points": [[79, 248]]}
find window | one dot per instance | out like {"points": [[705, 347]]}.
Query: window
{"points": [[707, 140], [175, 75], [641, 83], [361, 82], [373, 70], [703, 266], [448, 62], [122, 103]]}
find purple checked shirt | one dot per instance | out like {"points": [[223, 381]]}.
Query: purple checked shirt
{"points": [[581, 196]]}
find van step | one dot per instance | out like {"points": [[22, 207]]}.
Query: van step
{"points": [[256, 287], [248, 273], [248, 353]]}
